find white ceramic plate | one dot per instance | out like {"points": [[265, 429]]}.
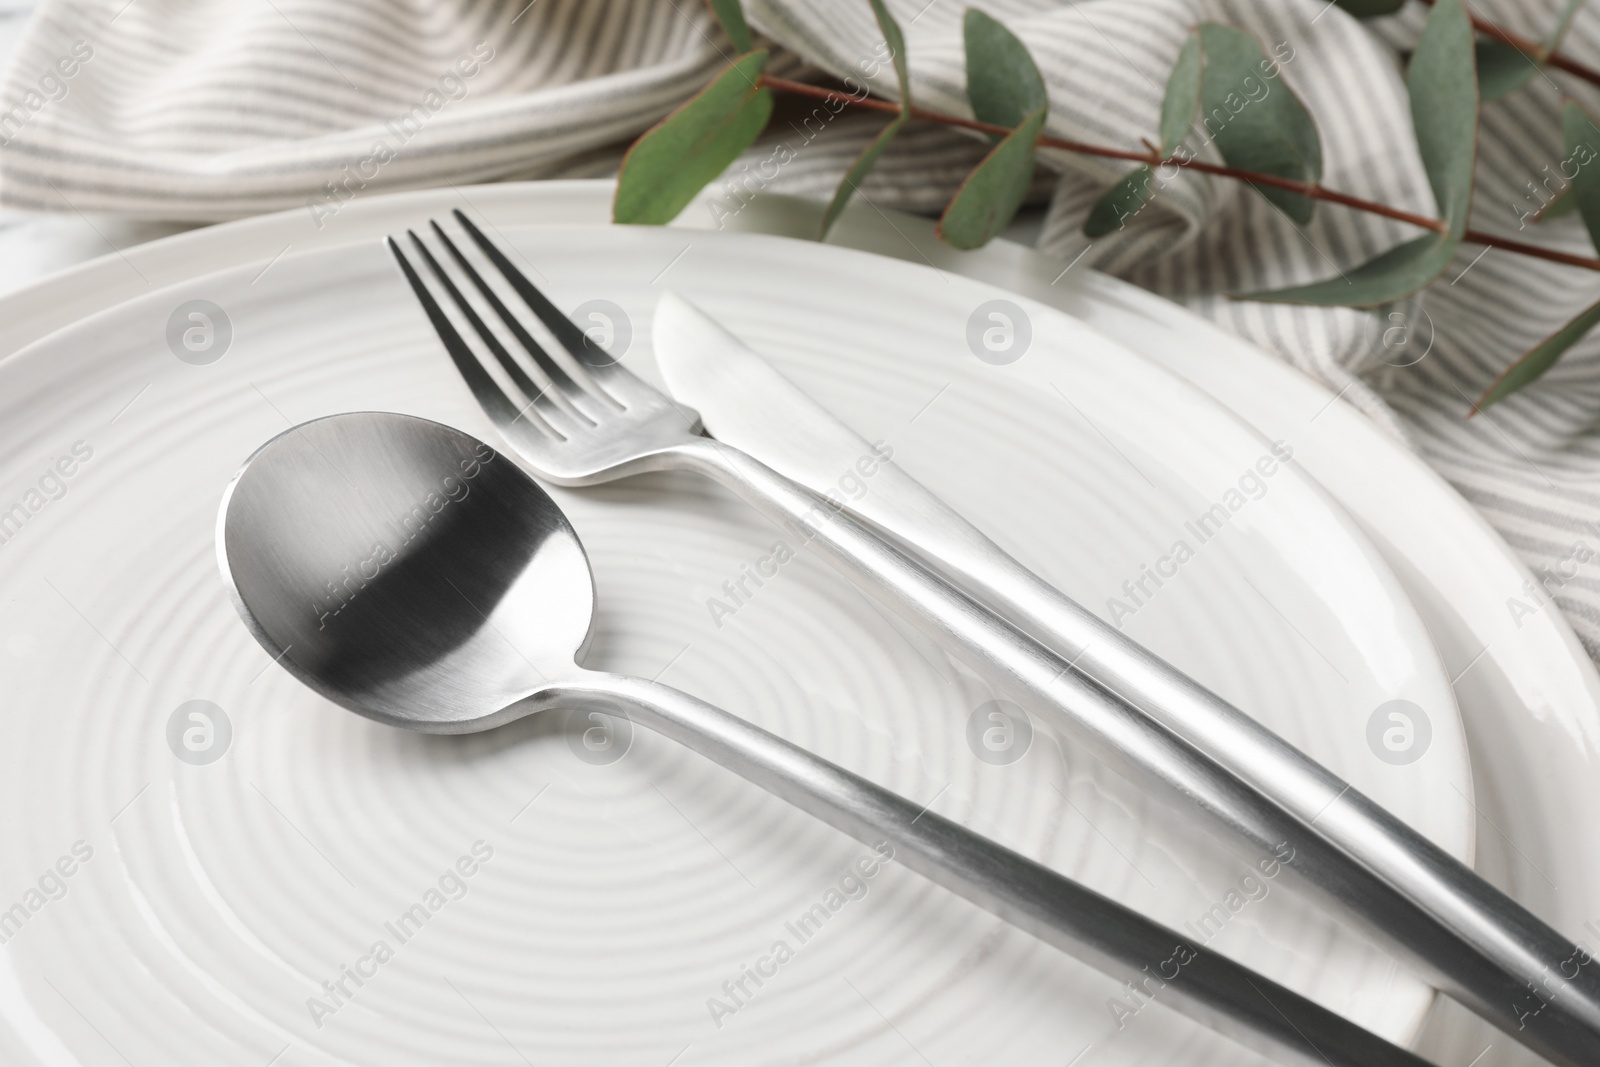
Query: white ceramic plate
{"points": [[1535, 763], [207, 903]]}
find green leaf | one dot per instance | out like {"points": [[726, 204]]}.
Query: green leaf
{"points": [[1444, 114], [1121, 202], [1387, 277], [1005, 88], [897, 50], [1583, 142], [1366, 9], [730, 15], [685, 151], [1564, 203], [869, 155], [1538, 359], [1129, 196], [1258, 123], [1502, 69], [1443, 86], [858, 170], [1183, 93], [1003, 84], [991, 194]]}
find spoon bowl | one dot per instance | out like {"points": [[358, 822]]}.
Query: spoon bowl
{"points": [[406, 571]]}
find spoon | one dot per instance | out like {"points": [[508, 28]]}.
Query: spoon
{"points": [[408, 572]]}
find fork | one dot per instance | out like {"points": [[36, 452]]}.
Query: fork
{"points": [[578, 417]]}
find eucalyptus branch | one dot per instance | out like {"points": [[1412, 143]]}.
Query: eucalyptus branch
{"points": [[1538, 52], [1459, 61], [1155, 159]]}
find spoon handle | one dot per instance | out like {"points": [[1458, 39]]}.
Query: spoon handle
{"points": [[1492, 971], [1155, 964]]}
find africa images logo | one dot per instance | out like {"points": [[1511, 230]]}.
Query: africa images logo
{"points": [[453, 884], [49, 487], [352, 579], [354, 176]]}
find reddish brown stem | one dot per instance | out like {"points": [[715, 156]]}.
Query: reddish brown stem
{"points": [[1525, 45], [1478, 237], [1308, 189], [1528, 46]]}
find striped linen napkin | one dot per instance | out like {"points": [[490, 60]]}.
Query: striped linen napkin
{"points": [[203, 110]]}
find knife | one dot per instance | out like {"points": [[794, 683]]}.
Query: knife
{"points": [[1464, 935]]}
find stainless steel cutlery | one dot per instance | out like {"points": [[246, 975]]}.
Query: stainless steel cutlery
{"points": [[580, 418], [476, 611]]}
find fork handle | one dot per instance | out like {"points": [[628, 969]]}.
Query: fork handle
{"points": [[1154, 962], [1552, 1013]]}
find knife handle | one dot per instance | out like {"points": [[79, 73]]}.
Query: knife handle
{"points": [[1490, 953]]}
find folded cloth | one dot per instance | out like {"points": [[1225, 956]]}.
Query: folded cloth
{"points": [[204, 109]]}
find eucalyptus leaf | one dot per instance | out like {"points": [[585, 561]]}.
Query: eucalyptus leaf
{"points": [[1444, 114], [896, 40], [1129, 196], [730, 15], [991, 194], [1503, 69], [685, 151], [1540, 358], [858, 171], [1390, 276], [1443, 86], [1121, 202], [1366, 9], [1183, 93], [1564, 203], [1004, 85], [1257, 122], [1583, 143]]}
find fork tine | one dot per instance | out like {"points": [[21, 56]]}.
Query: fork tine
{"points": [[488, 393], [564, 385], [574, 340], [539, 398]]}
